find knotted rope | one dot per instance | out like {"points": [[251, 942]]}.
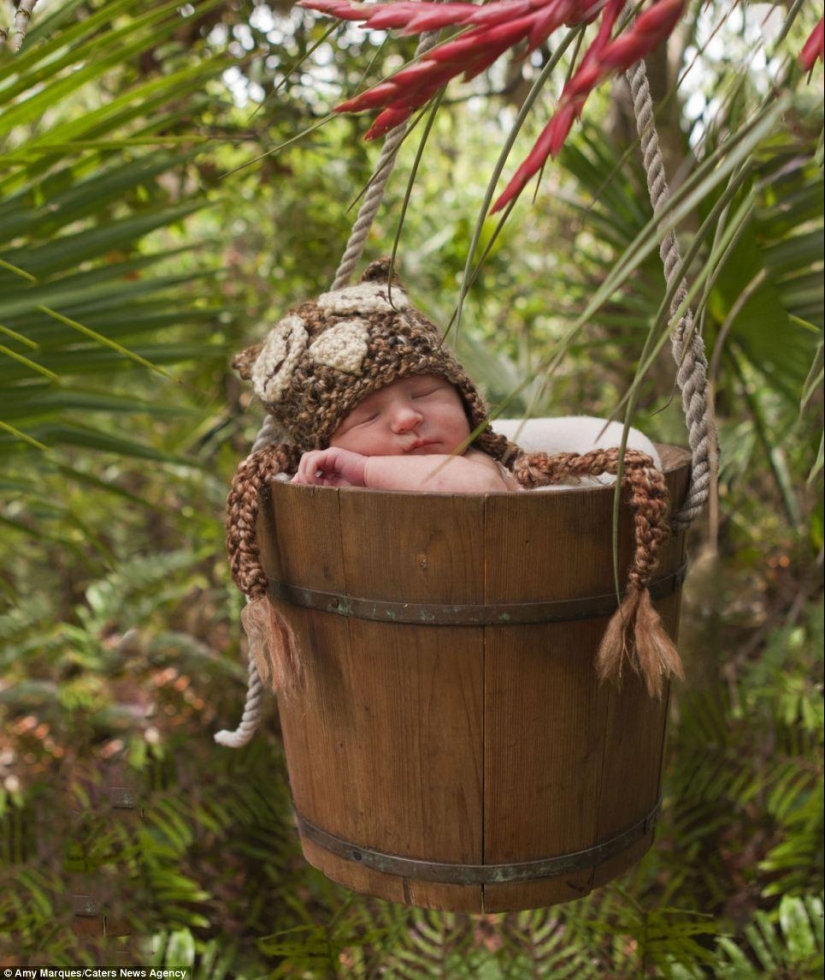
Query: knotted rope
{"points": [[635, 626], [267, 433], [686, 342], [16, 34], [377, 185]]}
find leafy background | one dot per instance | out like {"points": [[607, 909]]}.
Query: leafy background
{"points": [[169, 182]]}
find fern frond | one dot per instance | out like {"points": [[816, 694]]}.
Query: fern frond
{"points": [[788, 944], [539, 943]]}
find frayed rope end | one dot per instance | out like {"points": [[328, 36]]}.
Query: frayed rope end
{"points": [[272, 645], [635, 634]]}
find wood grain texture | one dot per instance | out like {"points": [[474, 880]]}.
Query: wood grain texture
{"points": [[384, 745], [464, 745], [426, 548], [544, 733], [538, 894]]}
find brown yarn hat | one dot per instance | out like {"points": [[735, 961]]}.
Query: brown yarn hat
{"points": [[316, 365], [326, 355]]}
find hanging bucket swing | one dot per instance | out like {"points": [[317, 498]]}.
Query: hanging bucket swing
{"points": [[473, 717], [451, 745]]}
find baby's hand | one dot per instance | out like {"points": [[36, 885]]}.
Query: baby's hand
{"points": [[331, 468]]}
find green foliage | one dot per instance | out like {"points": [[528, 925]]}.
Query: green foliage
{"points": [[80, 189], [788, 946], [373, 938], [643, 938], [157, 209]]}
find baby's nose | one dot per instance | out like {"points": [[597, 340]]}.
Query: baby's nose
{"points": [[406, 418]]}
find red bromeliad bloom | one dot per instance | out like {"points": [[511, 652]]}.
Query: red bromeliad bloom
{"points": [[491, 30], [814, 47]]}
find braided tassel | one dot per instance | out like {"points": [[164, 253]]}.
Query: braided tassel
{"points": [[635, 634], [272, 643]]}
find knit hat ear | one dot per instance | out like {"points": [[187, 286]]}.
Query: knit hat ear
{"points": [[244, 361], [272, 644], [381, 270]]}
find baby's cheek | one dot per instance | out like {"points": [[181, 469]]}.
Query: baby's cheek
{"points": [[358, 440]]}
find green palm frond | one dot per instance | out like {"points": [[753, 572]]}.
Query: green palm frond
{"points": [[79, 192], [207, 960], [621, 934]]}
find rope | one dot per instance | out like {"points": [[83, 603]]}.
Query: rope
{"points": [[251, 713], [686, 342], [16, 34], [267, 433], [376, 187]]}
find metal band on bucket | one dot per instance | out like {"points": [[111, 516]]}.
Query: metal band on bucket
{"points": [[479, 874], [440, 614]]}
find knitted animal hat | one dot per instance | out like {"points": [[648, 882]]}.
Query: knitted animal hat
{"points": [[328, 354], [312, 370]]}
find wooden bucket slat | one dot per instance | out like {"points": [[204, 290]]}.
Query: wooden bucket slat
{"points": [[637, 722], [540, 893], [413, 547], [550, 544], [635, 732], [469, 746], [543, 742], [312, 720], [305, 553], [408, 730]]}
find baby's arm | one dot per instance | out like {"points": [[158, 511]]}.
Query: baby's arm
{"points": [[474, 472]]}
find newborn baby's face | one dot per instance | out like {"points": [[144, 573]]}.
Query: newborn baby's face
{"points": [[420, 415]]}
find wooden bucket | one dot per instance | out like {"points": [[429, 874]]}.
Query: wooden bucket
{"points": [[452, 747]]}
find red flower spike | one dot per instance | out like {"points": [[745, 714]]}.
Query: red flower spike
{"points": [[387, 120], [449, 15], [492, 29], [476, 67], [543, 27], [651, 27], [602, 59], [342, 9], [814, 47], [390, 17], [481, 40], [372, 99]]}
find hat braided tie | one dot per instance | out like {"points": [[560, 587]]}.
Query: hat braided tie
{"points": [[273, 650], [635, 634]]}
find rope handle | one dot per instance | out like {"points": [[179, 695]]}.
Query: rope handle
{"points": [[377, 185], [268, 431], [687, 344], [16, 34]]}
